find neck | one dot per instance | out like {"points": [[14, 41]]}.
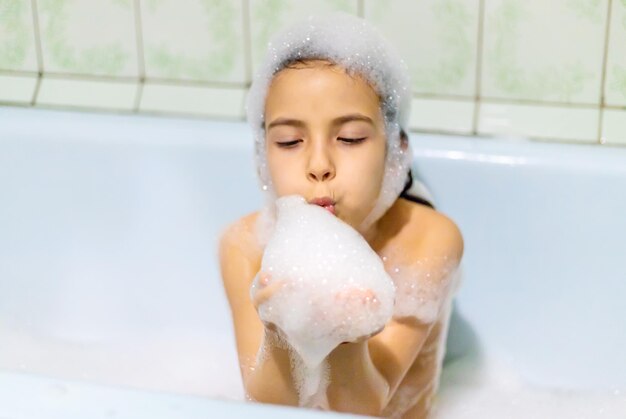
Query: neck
{"points": [[372, 234]]}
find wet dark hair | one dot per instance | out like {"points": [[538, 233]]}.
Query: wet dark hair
{"points": [[409, 182], [412, 198]]}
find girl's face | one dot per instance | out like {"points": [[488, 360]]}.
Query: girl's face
{"points": [[325, 137]]}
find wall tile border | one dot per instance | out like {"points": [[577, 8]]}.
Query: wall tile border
{"points": [[473, 114]]}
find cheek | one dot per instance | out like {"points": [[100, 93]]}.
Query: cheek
{"points": [[377, 171], [279, 171], [374, 166], [367, 174]]}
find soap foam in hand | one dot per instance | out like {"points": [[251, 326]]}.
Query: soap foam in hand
{"points": [[335, 288]]}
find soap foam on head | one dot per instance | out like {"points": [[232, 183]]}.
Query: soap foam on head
{"points": [[357, 46], [335, 286]]}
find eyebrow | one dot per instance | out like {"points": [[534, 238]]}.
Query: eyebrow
{"points": [[337, 121], [285, 121]]}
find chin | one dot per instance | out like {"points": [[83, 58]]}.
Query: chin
{"points": [[351, 223]]}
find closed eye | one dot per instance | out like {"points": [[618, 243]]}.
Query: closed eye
{"points": [[288, 144], [352, 140]]}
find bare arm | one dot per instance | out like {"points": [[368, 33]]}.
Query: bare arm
{"points": [[392, 352], [395, 349], [265, 365]]}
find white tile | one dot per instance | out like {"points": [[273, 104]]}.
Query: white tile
{"points": [[615, 85], [193, 40], [17, 89], [437, 39], [549, 122], [88, 37], [192, 100], [87, 93], [17, 39], [269, 16], [614, 126], [442, 115], [544, 50]]}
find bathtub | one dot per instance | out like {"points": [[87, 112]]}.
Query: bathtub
{"points": [[111, 302]]}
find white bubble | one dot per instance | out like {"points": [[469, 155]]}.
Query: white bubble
{"points": [[421, 292]]}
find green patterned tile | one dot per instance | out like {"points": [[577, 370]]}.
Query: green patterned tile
{"points": [[615, 85], [17, 41], [437, 39], [194, 39], [269, 16], [95, 37], [544, 50]]}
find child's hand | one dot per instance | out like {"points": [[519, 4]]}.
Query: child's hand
{"points": [[266, 288], [355, 300]]}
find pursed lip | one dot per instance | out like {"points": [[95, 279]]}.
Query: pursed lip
{"points": [[326, 202]]}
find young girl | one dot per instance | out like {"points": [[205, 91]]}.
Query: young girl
{"points": [[329, 109]]}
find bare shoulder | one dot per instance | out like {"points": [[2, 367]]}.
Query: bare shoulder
{"points": [[432, 233], [240, 234], [443, 232], [239, 256], [240, 260]]}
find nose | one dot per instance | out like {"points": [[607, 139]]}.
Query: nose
{"points": [[320, 167]]}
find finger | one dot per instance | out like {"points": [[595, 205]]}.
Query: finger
{"points": [[370, 299], [264, 279], [360, 295], [265, 293]]}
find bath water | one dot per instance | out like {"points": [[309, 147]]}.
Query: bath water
{"points": [[470, 388], [493, 388]]}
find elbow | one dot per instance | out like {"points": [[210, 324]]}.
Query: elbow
{"points": [[370, 401], [269, 390], [367, 407]]}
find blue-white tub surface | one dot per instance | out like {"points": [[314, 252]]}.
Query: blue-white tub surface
{"points": [[111, 302]]}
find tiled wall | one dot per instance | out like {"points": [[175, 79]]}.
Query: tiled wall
{"points": [[548, 69]]}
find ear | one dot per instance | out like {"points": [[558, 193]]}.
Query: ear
{"points": [[404, 140]]}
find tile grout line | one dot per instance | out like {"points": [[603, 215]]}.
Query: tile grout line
{"points": [[479, 66], [130, 79], [91, 77], [38, 50], [199, 83], [138, 96], [141, 64], [19, 73], [507, 101], [531, 102], [121, 111], [247, 49], [247, 39], [441, 96], [605, 55]]}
